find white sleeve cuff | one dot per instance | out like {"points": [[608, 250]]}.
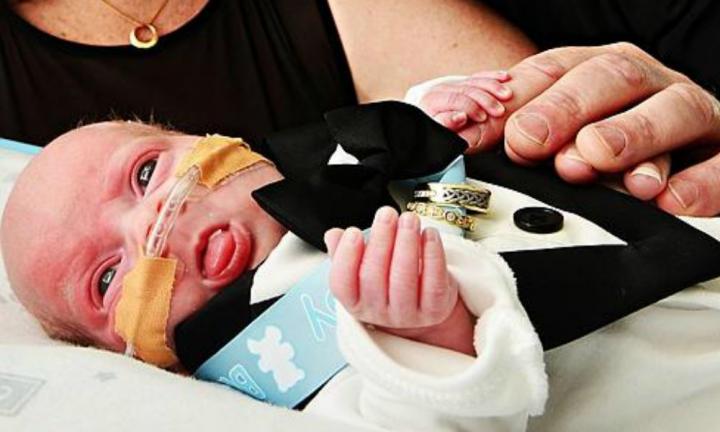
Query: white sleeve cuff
{"points": [[506, 378]]}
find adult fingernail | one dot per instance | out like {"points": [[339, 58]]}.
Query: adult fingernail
{"points": [[384, 215], [614, 139], [685, 192], [533, 127], [479, 141], [408, 220], [572, 154], [648, 170]]}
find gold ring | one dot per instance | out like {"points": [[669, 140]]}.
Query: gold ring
{"points": [[451, 215], [144, 44], [471, 198]]}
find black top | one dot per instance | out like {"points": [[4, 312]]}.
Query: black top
{"points": [[683, 34], [240, 67]]}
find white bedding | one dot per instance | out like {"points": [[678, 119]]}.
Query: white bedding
{"points": [[658, 370], [50, 386]]}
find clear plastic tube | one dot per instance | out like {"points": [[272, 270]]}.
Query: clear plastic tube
{"points": [[155, 243]]}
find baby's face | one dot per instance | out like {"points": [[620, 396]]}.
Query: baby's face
{"points": [[80, 214]]}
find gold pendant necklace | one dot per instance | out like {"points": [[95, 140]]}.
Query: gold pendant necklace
{"points": [[136, 38]]}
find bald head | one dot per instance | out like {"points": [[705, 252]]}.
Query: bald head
{"points": [[79, 216], [28, 225], [47, 218]]}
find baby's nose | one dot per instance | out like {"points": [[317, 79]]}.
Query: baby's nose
{"points": [[169, 230], [142, 219]]}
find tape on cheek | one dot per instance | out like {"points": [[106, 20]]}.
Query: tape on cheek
{"points": [[218, 157], [142, 312]]}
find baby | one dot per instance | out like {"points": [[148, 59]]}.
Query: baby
{"points": [[80, 209], [79, 215]]}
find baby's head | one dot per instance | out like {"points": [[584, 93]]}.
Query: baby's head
{"points": [[78, 217]]}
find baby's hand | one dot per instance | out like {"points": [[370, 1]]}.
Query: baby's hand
{"points": [[462, 105], [399, 281]]}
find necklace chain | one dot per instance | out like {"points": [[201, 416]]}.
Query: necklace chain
{"points": [[140, 25], [133, 19]]}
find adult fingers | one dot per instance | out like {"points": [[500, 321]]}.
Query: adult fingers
{"points": [[645, 181], [649, 179], [532, 77], [680, 114], [593, 89], [571, 166], [473, 136], [694, 191]]}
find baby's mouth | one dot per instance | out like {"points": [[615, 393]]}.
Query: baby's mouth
{"points": [[225, 255]]}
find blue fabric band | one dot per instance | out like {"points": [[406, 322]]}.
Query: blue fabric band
{"points": [[291, 349], [18, 146]]}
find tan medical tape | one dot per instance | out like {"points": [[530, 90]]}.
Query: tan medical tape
{"points": [[142, 313], [218, 157], [144, 307]]}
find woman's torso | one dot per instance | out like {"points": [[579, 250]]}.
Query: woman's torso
{"points": [[240, 67]]}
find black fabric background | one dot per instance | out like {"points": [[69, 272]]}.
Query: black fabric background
{"points": [[683, 34], [240, 68]]}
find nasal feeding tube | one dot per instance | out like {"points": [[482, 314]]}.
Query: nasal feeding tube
{"points": [[143, 310], [168, 213], [155, 243]]}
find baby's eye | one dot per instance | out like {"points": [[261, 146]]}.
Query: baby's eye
{"points": [[106, 279], [145, 173]]}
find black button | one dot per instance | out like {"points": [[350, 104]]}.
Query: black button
{"points": [[540, 220]]}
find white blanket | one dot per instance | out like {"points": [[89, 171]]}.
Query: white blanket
{"points": [[658, 370]]}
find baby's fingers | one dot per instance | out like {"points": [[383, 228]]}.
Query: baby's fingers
{"points": [[375, 266], [405, 270], [345, 267], [437, 297], [332, 238], [453, 120], [497, 75], [447, 98], [496, 89]]}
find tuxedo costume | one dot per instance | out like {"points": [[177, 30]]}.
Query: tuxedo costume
{"points": [[644, 254]]}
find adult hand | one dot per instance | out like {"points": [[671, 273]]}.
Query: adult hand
{"points": [[614, 109]]}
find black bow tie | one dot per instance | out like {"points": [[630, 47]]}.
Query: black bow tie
{"points": [[568, 292]]}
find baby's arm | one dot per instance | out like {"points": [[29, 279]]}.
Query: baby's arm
{"points": [[462, 104], [399, 281]]}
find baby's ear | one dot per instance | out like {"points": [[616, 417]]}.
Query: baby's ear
{"points": [[332, 237]]}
